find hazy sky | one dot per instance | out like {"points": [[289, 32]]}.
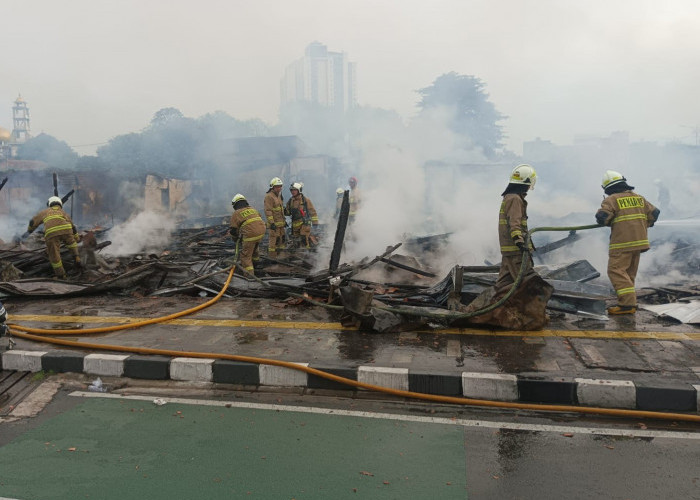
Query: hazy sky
{"points": [[93, 69]]}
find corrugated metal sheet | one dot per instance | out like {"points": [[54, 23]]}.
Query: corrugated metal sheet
{"points": [[685, 312]]}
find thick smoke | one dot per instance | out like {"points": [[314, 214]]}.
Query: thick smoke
{"points": [[423, 180]]}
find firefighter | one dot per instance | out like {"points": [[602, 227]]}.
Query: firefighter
{"points": [[274, 213], [338, 201], [628, 215], [512, 228], [354, 199], [58, 229], [247, 228], [303, 214]]}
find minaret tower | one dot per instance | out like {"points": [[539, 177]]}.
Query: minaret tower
{"points": [[20, 119]]}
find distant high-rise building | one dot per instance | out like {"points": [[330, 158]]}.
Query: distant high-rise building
{"points": [[321, 76]]}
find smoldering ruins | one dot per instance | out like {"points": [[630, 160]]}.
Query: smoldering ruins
{"points": [[422, 248]]}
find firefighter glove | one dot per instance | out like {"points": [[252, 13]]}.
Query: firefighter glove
{"points": [[273, 226], [234, 233], [521, 246]]}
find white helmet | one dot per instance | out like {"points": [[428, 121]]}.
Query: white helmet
{"points": [[299, 186], [54, 200], [524, 174], [339, 191], [237, 198], [610, 178], [276, 181]]}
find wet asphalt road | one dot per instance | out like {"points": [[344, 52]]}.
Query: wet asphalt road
{"points": [[570, 346]]}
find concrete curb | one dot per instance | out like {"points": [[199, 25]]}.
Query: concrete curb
{"points": [[657, 396]]}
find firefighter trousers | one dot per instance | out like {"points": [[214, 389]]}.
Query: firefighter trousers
{"points": [[275, 241], [622, 271], [302, 237], [53, 248], [510, 268], [249, 254]]}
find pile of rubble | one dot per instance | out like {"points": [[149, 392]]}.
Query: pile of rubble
{"points": [[197, 261]]}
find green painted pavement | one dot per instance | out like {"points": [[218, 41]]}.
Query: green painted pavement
{"points": [[107, 449]]}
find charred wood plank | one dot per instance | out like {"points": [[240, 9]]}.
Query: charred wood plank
{"points": [[407, 268]]}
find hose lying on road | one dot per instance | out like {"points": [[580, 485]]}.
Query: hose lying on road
{"points": [[46, 335]]}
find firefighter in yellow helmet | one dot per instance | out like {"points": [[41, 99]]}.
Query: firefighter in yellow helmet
{"points": [[274, 213], [303, 214], [629, 215], [248, 227], [58, 230], [512, 228]]}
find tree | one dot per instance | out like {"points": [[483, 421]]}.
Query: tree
{"points": [[470, 113], [166, 116], [46, 148]]}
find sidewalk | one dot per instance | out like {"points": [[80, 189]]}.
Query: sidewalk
{"points": [[637, 362]]}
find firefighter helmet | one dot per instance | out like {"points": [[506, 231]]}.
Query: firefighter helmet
{"points": [[276, 181], [524, 174], [339, 191], [299, 186], [610, 178], [54, 200], [237, 198]]}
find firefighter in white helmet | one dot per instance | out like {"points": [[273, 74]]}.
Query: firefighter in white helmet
{"points": [[274, 213], [339, 193], [248, 227], [303, 214], [512, 228], [58, 230], [629, 215]]}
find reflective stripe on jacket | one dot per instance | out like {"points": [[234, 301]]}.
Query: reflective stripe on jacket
{"points": [[273, 208], [56, 222], [354, 199], [628, 215], [512, 223], [301, 209], [249, 224]]}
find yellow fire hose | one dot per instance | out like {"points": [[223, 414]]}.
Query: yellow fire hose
{"points": [[45, 335]]}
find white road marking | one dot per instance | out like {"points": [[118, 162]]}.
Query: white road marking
{"points": [[562, 429]]}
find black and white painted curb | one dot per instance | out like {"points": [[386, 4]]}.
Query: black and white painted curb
{"points": [[654, 396]]}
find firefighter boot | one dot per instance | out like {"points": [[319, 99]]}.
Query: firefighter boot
{"points": [[622, 310]]}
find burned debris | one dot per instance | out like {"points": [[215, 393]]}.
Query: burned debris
{"points": [[395, 290]]}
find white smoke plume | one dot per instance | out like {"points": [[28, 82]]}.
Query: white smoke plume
{"points": [[145, 233]]}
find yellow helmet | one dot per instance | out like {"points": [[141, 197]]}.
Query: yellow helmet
{"points": [[276, 181], [610, 178], [339, 191], [237, 198], [524, 174]]}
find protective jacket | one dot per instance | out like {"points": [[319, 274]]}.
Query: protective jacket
{"points": [[628, 215], [248, 223], [56, 223], [301, 210], [273, 208], [512, 223], [355, 201]]}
